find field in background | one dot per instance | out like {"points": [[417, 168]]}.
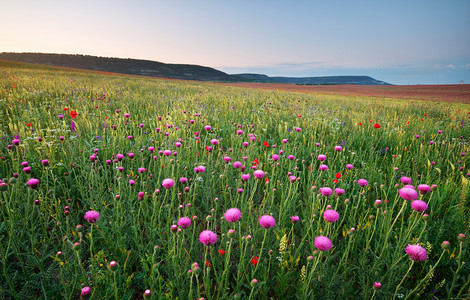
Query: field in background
{"points": [[457, 93], [123, 187]]}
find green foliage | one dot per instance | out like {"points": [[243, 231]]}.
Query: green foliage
{"points": [[368, 242]]}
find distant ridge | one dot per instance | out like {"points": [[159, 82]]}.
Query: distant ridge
{"points": [[174, 71], [325, 80]]}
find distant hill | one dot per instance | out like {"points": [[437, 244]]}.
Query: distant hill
{"points": [[174, 71], [325, 80]]}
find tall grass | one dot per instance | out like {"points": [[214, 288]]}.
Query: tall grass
{"points": [[45, 255]]}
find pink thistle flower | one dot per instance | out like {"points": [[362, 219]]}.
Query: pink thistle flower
{"points": [[321, 157], [416, 252], [233, 215], [330, 215], [214, 141], [294, 219], [338, 148], [339, 192], [419, 205], [408, 193], [168, 183], [363, 182], [33, 183], [326, 191], [92, 216], [424, 189], [323, 243], [349, 166], [323, 168], [267, 221], [208, 237], [183, 180], [259, 174], [237, 164], [405, 180], [245, 177], [184, 222], [275, 157]]}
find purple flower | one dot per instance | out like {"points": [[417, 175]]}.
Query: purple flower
{"points": [[92, 216], [168, 183], [339, 192], [208, 237], [419, 205], [33, 183], [245, 177], [416, 252], [363, 182], [322, 243], [184, 222], [259, 174], [267, 221], [326, 191], [233, 215], [424, 189], [408, 193], [405, 180], [330, 215], [294, 219]]}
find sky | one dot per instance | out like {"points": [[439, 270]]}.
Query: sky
{"points": [[400, 42]]}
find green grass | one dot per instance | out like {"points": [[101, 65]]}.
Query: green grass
{"points": [[129, 229]]}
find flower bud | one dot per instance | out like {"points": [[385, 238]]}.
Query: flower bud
{"points": [[13, 180], [79, 228], [445, 245], [3, 186], [231, 233], [426, 217], [113, 266], [197, 271], [378, 203], [85, 293], [377, 286], [147, 294], [310, 258], [208, 218], [254, 282], [76, 246], [461, 237]]}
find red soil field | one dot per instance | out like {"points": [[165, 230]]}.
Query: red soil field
{"points": [[458, 93]]}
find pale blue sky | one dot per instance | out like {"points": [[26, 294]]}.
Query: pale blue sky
{"points": [[402, 42]]}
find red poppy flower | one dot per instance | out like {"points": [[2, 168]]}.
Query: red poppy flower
{"points": [[73, 114], [222, 252], [65, 108], [360, 124], [254, 260], [266, 144], [29, 124], [255, 162], [309, 169], [338, 175], [335, 181], [208, 263], [300, 116], [267, 180], [376, 125]]}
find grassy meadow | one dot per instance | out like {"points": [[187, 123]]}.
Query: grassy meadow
{"points": [[334, 197]]}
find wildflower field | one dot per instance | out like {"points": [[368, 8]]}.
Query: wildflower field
{"points": [[128, 187]]}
